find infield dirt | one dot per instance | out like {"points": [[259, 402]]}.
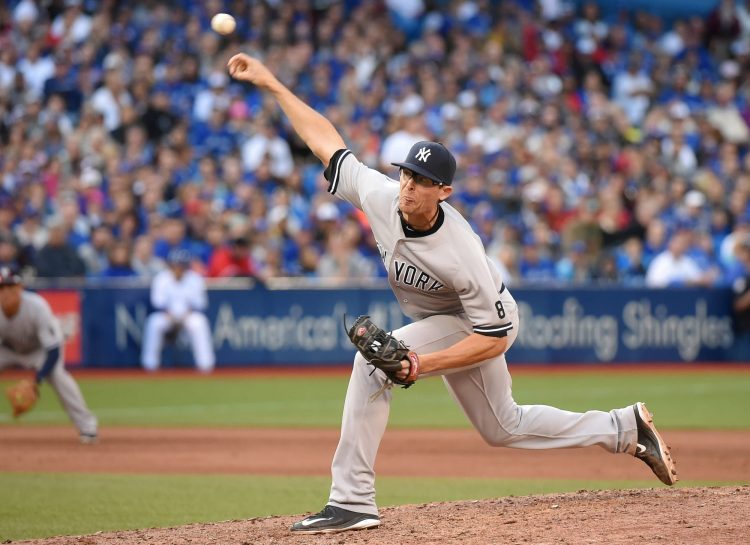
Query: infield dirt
{"points": [[700, 455]]}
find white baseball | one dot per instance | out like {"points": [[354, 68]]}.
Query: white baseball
{"points": [[223, 23]]}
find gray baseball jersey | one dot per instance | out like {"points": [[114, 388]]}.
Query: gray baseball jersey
{"points": [[446, 284], [34, 327], [441, 271], [25, 339]]}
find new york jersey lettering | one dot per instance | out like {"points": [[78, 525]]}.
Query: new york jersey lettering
{"points": [[408, 274]]}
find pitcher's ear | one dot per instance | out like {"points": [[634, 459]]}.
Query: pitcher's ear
{"points": [[445, 192]]}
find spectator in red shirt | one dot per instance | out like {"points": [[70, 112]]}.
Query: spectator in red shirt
{"points": [[232, 260]]}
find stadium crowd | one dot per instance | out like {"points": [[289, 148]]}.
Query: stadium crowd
{"points": [[592, 147]]}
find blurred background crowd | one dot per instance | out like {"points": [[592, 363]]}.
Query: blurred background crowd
{"points": [[592, 147]]}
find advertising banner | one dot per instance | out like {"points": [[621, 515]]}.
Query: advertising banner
{"points": [[304, 327], [66, 305], [250, 327], [617, 325]]}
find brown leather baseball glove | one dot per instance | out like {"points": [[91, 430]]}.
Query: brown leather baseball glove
{"points": [[384, 351], [22, 395]]}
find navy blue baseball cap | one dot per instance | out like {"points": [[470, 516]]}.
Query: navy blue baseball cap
{"points": [[431, 159], [9, 276]]}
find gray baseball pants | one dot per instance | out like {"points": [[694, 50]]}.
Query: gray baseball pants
{"points": [[62, 383], [483, 391]]}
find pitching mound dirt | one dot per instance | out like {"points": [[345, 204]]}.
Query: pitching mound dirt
{"points": [[685, 515]]}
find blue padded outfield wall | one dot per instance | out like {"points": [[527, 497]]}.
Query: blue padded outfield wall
{"points": [[263, 327]]}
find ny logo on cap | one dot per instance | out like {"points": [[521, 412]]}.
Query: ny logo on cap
{"points": [[423, 154]]}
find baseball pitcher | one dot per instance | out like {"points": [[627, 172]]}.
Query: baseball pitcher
{"points": [[464, 320], [31, 337]]}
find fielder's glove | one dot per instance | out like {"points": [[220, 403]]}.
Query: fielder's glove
{"points": [[22, 396], [384, 351]]}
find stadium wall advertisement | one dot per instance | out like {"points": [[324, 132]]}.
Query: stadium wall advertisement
{"points": [[260, 327], [66, 306]]}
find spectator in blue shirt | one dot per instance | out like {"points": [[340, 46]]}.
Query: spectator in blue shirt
{"points": [[118, 264]]}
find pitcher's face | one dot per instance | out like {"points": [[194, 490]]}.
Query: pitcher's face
{"points": [[418, 194]]}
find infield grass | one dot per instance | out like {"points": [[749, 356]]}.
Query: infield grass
{"points": [[87, 503], [688, 399]]}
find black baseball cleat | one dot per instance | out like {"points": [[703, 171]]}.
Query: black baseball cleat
{"points": [[651, 448], [335, 519]]}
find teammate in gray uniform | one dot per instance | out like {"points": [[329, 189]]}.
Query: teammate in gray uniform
{"points": [[31, 337], [464, 320]]}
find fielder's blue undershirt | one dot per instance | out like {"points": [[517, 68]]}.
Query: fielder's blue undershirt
{"points": [[52, 356]]}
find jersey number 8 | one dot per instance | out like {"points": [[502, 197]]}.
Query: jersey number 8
{"points": [[500, 310]]}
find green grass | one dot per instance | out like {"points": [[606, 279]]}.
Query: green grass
{"points": [[81, 504], [84, 504], [680, 400]]}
